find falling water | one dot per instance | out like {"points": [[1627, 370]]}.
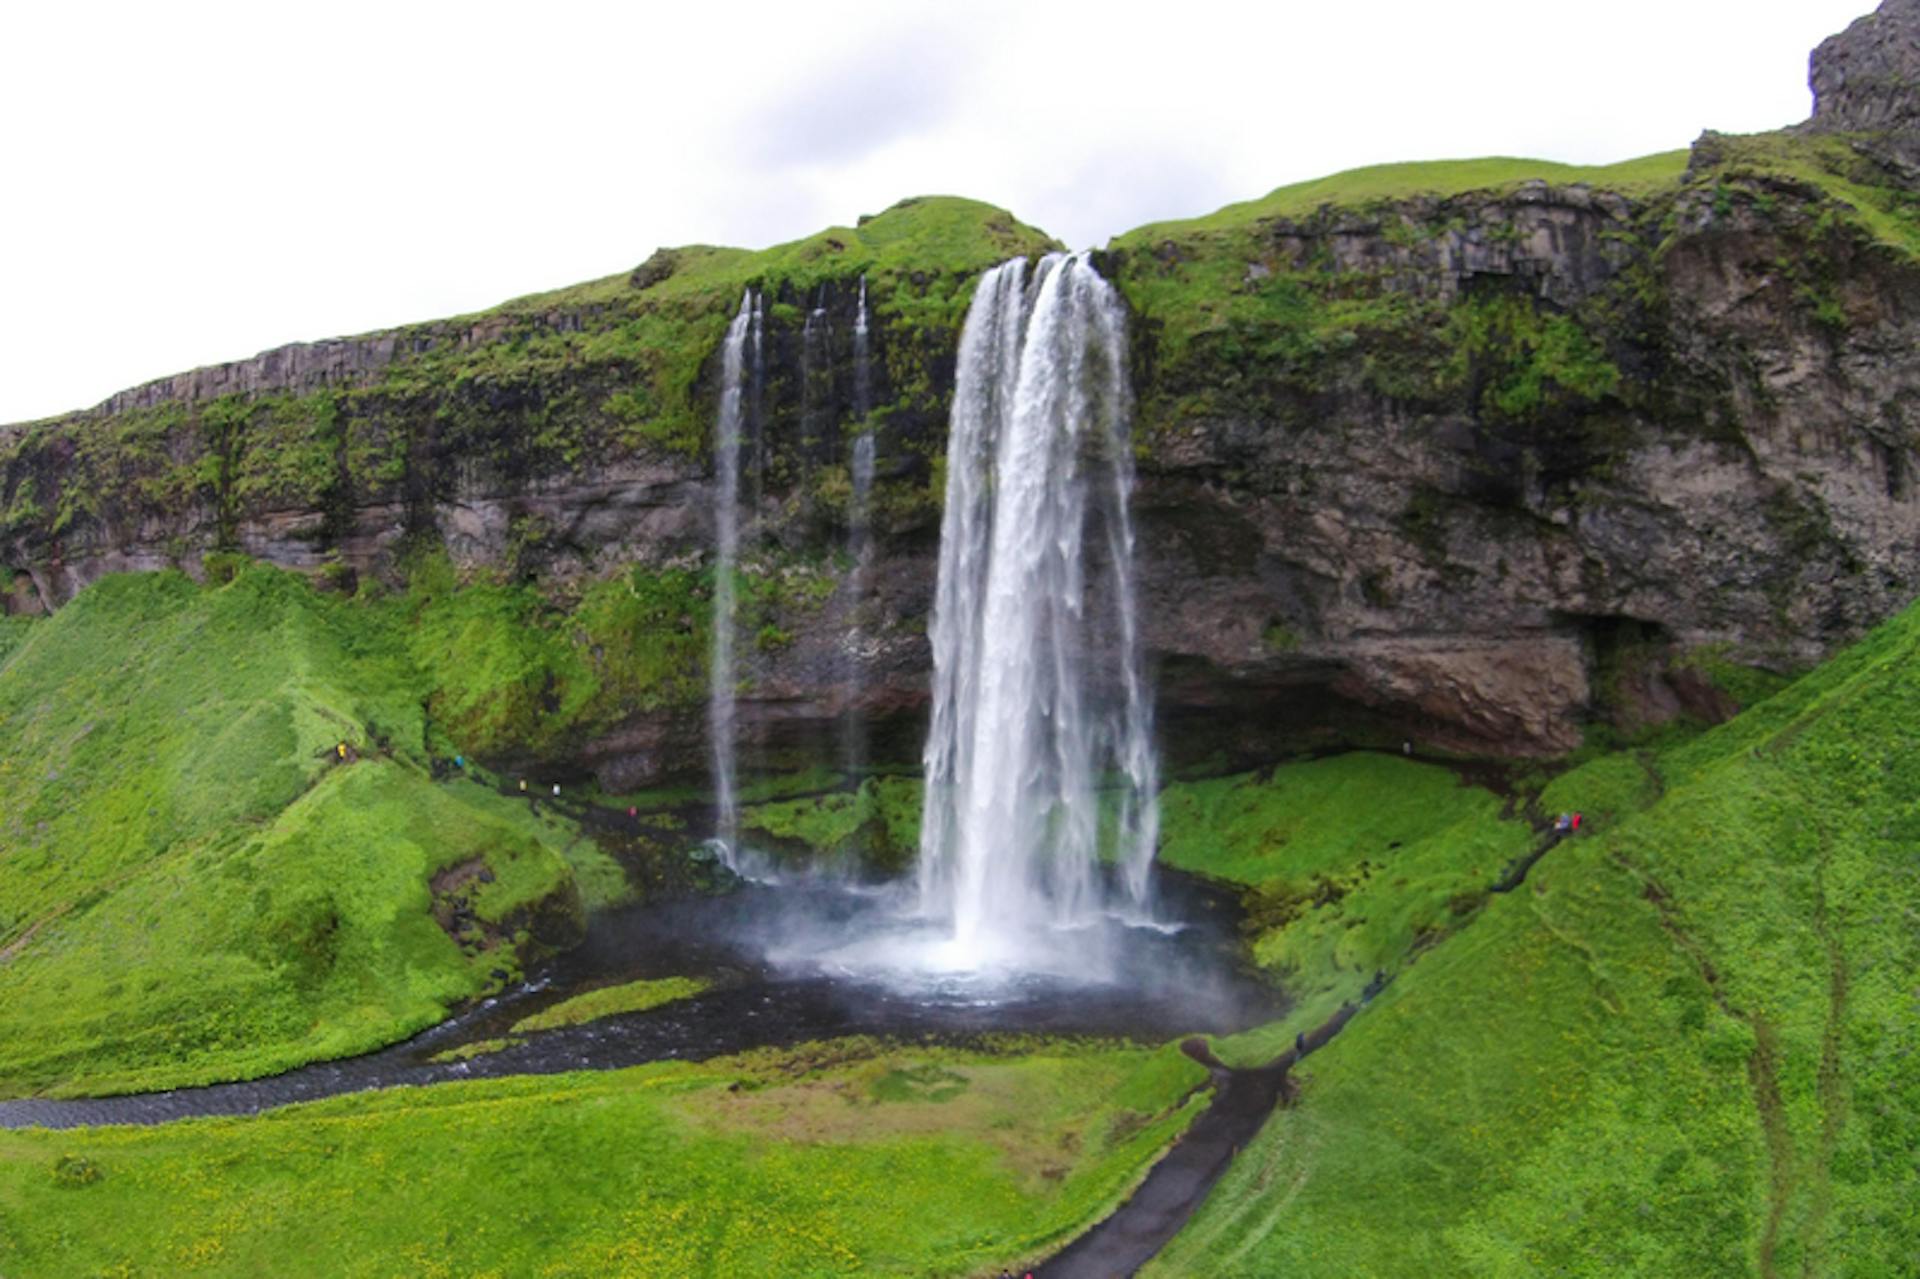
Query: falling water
{"points": [[862, 405], [756, 415], [726, 463], [854, 737], [1038, 687], [816, 379]]}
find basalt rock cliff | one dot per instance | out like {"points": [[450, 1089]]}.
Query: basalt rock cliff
{"points": [[1478, 455]]}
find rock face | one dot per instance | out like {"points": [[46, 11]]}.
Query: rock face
{"points": [[1475, 470], [1863, 81], [1486, 578]]}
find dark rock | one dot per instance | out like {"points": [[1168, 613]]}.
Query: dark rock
{"points": [[656, 268], [1867, 80]]}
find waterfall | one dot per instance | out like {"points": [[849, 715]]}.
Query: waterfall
{"points": [[1039, 695], [756, 416], [862, 405], [816, 380], [727, 430], [853, 735]]}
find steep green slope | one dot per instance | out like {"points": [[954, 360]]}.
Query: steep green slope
{"points": [[193, 885], [1353, 865], [834, 1159], [1684, 1046]]}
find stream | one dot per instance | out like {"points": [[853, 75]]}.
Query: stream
{"points": [[777, 981]]}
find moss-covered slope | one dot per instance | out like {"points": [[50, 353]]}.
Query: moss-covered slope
{"points": [[193, 883]]}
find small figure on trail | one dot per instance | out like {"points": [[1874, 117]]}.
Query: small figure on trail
{"points": [[556, 790], [633, 813], [460, 761], [1300, 1044], [1562, 824], [1576, 822], [523, 785], [341, 751]]}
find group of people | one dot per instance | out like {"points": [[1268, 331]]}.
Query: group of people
{"points": [[1566, 823]]}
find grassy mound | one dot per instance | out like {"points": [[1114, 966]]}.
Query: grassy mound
{"points": [[611, 1001], [193, 886], [876, 825], [837, 1159], [1684, 1046]]}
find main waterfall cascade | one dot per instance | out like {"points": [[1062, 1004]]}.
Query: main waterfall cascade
{"points": [[1024, 744], [728, 427], [1039, 816]]}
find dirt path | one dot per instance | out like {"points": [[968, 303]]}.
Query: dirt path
{"points": [[1178, 1184], [1176, 1187]]}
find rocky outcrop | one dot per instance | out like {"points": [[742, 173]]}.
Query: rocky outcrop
{"points": [[1864, 80]]}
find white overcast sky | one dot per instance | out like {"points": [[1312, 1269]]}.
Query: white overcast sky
{"points": [[186, 183]]}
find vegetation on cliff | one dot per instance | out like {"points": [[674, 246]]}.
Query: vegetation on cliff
{"points": [[1344, 280], [610, 373]]}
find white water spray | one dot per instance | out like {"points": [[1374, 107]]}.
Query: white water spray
{"points": [[727, 429], [1039, 695]]}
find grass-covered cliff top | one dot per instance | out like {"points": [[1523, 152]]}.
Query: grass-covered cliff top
{"points": [[591, 374], [1438, 179], [1831, 165], [1513, 287], [922, 234]]}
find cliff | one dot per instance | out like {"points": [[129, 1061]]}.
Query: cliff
{"points": [[1476, 454]]}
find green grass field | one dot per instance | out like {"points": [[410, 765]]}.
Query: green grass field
{"points": [[839, 1158]]}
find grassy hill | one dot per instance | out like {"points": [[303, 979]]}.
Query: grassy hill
{"points": [[1686, 1046], [192, 885]]}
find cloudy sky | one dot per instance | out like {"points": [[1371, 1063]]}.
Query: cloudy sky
{"points": [[190, 182]]}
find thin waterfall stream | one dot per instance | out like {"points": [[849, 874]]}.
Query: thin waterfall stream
{"points": [[728, 426], [853, 750]]}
